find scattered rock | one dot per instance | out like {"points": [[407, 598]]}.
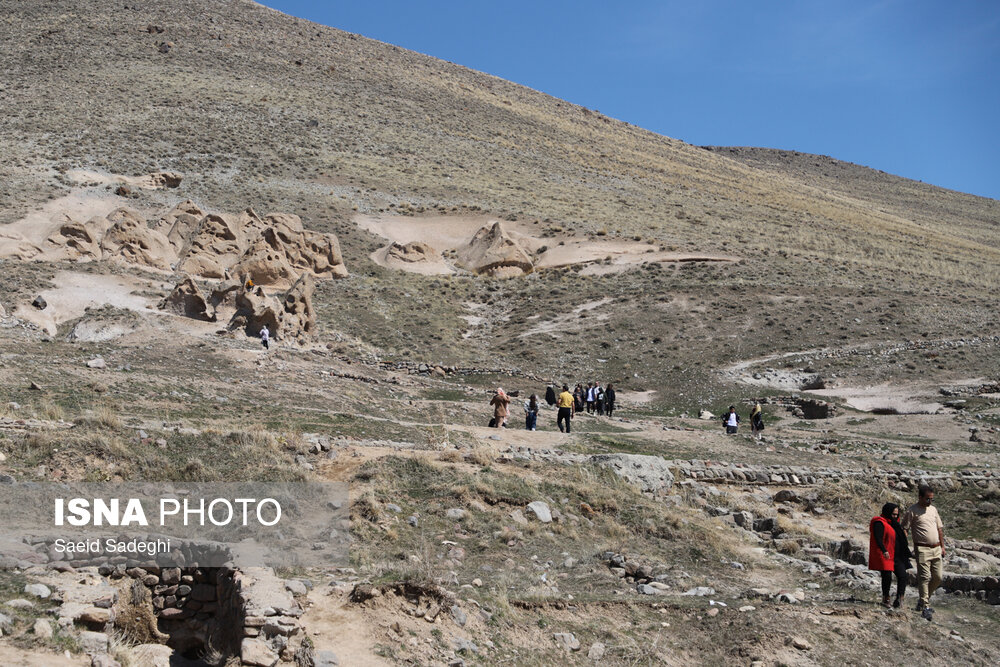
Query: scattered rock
{"points": [[567, 640], [42, 629], [649, 473], [455, 513], [39, 302], [97, 363], [540, 510], [801, 644], [596, 651], [20, 603], [38, 590], [296, 587], [325, 659], [256, 653], [93, 642], [786, 496], [103, 660]]}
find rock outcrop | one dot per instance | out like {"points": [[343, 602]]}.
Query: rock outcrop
{"points": [[291, 318], [496, 252], [130, 239], [284, 250], [272, 251], [298, 319], [216, 245], [412, 253], [650, 473], [187, 299]]}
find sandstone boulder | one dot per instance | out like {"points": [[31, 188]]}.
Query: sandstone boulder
{"points": [[80, 240], [180, 223], [412, 253], [131, 240], [298, 318], [283, 250], [216, 245], [254, 310], [186, 299], [497, 252]]}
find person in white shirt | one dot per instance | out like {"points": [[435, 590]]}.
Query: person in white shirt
{"points": [[731, 420], [265, 336]]}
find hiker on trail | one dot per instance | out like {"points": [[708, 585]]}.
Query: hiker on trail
{"points": [[590, 397], [756, 421], [924, 523], [731, 420], [500, 403], [888, 552], [565, 404], [609, 400], [531, 413], [579, 398], [550, 395], [599, 399], [265, 336]]}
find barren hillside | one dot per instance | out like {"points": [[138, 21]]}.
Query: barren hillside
{"points": [[177, 176]]}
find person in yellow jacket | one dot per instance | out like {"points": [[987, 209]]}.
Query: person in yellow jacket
{"points": [[565, 405]]}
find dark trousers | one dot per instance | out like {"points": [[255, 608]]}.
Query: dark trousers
{"points": [[901, 578], [530, 419], [590, 406], [263, 342], [564, 414], [600, 408], [610, 408]]}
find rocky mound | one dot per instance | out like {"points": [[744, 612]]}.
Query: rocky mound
{"points": [[497, 252], [412, 253], [187, 300], [290, 318], [273, 251]]}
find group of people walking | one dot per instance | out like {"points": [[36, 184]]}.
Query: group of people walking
{"points": [[890, 554], [731, 421], [594, 399]]}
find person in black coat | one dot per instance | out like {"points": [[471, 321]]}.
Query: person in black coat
{"points": [[609, 400], [901, 556], [550, 395]]}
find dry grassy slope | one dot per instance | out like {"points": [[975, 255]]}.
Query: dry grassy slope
{"points": [[920, 202], [230, 103], [259, 108]]}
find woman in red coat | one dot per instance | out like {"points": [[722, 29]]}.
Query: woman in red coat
{"points": [[882, 547]]}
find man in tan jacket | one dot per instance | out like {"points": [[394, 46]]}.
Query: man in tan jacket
{"points": [[924, 523]]}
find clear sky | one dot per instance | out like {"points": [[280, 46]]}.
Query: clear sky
{"points": [[911, 87]]}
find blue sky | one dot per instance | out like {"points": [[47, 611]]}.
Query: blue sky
{"points": [[911, 87]]}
